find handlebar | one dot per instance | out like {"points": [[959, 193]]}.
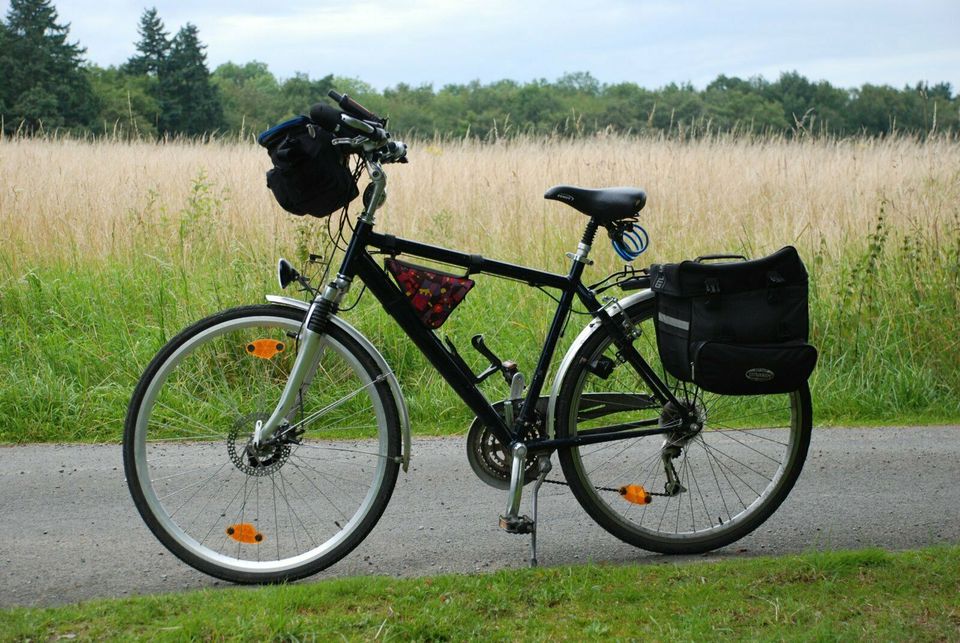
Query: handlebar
{"points": [[354, 108], [342, 123], [359, 126], [327, 117]]}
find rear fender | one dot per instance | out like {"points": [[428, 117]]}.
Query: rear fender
{"points": [[594, 326]]}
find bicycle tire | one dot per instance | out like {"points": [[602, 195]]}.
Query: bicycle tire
{"points": [[747, 467], [303, 506]]}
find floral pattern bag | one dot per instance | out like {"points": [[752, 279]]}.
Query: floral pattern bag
{"points": [[432, 293]]}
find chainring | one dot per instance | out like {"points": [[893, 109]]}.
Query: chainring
{"points": [[490, 460]]}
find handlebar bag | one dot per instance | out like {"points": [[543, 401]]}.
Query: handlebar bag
{"points": [[310, 175], [432, 293], [736, 328]]}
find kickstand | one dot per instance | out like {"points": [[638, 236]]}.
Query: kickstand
{"points": [[543, 466]]}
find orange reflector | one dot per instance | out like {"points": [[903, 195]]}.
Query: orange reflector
{"points": [[636, 494], [244, 532], [265, 348]]}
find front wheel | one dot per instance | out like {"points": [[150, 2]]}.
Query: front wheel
{"points": [[282, 511], [710, 486]]}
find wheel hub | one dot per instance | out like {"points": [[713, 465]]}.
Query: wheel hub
{"points": [[263, 461], [685, 421]]}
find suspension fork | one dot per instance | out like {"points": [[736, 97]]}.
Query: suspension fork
{"points": [[318, 316], [308, 355]]}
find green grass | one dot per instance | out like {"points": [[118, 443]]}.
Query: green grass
{"points": [[831, 596], [77, 331]]}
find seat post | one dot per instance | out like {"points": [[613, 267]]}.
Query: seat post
{"points": [[590, 232], [583, 249]]}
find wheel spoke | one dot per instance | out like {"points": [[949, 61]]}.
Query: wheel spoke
{"points": [[742, 464], [724, 469], [195, 412], [745, 458], [343, 450], [729, 435], [313, 417], [727, 429]]}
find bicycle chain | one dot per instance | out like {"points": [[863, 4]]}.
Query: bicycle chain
{"points": [[567, 484]]}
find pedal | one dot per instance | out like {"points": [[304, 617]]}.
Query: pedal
{"points": [[517, 524], [516, 393], [512, 522]]}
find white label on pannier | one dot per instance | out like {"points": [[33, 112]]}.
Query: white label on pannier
{"points": [[673, 321], [759, 375]]}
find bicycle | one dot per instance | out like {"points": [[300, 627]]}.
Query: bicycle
{"points": [[262, 443]]}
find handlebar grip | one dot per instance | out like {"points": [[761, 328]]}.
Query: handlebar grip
{"points": [[326, 117], [333, 120], [353, 108]]}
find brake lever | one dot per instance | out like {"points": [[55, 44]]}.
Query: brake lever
{"points": [[372, 131], [357, 141]]}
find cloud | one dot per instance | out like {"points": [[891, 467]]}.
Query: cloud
{"points": [[897, 69], [648, 42], [367, 22]]}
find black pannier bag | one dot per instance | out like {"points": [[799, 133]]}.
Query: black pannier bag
{"points": [[309, 175], [735, 328]]}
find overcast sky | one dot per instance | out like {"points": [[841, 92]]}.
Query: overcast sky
{"points": [[650, 43]]}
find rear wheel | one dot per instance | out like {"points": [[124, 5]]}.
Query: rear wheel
{"points": [[716, 483], [290, 508]]}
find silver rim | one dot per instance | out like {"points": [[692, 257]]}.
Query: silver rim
{"points": [[730, 471], [286, 511]]}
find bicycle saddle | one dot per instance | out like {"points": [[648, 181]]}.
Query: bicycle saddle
{"points": [[606, 205]]}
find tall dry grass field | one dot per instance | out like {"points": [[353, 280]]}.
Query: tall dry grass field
{"points": [[87, 199], [108, 248]]}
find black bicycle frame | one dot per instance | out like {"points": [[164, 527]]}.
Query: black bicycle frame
{"points": [[358, 262]]}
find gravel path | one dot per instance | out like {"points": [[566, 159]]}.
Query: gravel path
{"points": [[70, 532]]}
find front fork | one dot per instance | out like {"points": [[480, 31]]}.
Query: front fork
{"points": [[310, 348], [324, 306], [304, 367]]}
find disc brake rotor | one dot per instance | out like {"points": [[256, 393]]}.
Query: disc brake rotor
{"points": [[260, 462]]}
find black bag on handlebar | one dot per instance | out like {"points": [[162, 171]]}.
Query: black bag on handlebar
{"points": [[310, 175], [735, 328]]}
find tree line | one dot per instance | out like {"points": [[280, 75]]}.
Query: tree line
{"points": [[166, 89]]}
